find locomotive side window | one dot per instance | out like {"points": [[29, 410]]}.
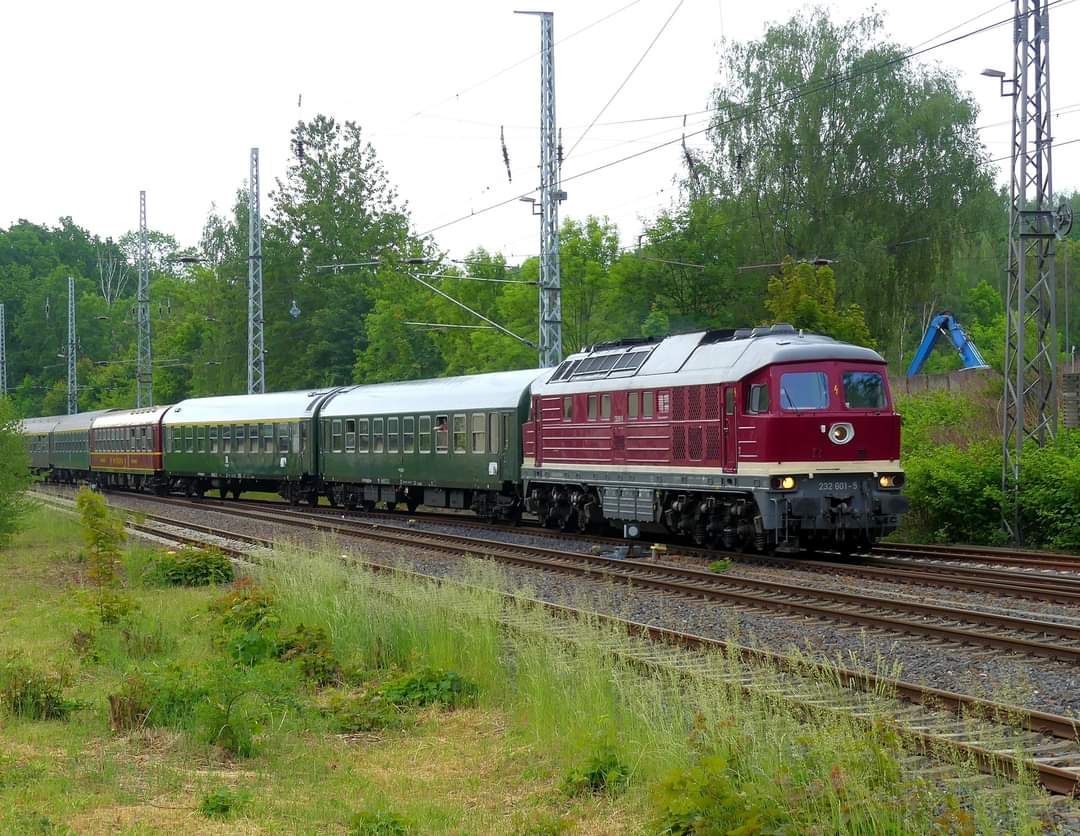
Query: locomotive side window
{"points": [[391, 435], [350, 435], [759, 398], [459, 434], [363, 443], [568, 408], [864, 390], [729, 401], [479, 432], [648, 404], [408, 434], [605, 406], [377, 435], [592, 407], [632, 401], [425, 433], [803, 390], [442, 434]]}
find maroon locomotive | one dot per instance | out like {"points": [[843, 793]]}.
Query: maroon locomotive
{"points": [[760, 438]]}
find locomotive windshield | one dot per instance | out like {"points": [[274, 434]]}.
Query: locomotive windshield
{"points": [[864, 390], [804, 390]]}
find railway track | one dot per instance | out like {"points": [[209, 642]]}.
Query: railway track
{"points": [[1031, 562], [1045, 639], [996, 737]]}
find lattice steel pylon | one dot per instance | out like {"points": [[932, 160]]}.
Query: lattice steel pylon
{"points": [[1031, 339], [3, 353], [256, 376], [551, 195], [73, 381], [144, 364]]}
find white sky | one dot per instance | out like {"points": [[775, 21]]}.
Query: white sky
{"points": [[106, 98]]}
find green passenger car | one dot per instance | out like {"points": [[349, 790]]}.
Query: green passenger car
{"points": [[450, 443], [69, 456], [38, 435], [242, 443]]}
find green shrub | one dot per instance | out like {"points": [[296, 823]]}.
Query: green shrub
{"points": [[103, 533], [366, 711], [720, 566], [378, 823], [430, 686], [248, 647], [28, 692], [310, 648], [603, 773], [158, 697], [191, 566], [111, 606], [706, 798], [220, 803], [245, 606], [1050, 498]]}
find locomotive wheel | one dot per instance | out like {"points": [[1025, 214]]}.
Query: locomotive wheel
{"points": [[570, 521]]}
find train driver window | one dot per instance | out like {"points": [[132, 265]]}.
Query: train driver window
{"points": [[425, 433], [605, 406], [442, 434], [408, 434], [350, 435], [363, 440], [568, 408], [759, 398], [592, 408], [864, 390], [804, 390], [648, 404], [391, 435], [459, 434], [377, 441]]}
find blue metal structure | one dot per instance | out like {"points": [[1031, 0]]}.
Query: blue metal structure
{"points": [[945, 323]]}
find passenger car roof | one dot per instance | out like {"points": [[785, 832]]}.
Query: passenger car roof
{"points": [[497, 390], [241, 409]]}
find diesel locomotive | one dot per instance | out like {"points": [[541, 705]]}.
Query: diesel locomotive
{"points": [[763, 438]]}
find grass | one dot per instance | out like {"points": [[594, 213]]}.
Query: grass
{"points": [[456, 724]]}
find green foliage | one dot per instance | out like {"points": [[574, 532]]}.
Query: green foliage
{"points": [[112, 606], [245, 606], [310, 648], [1050, 499], [28, 692], [366, 711], [103, 533], [721, 566], [955, 493], [806, 298], [159, 696], [378, 823], [430, 686], [604, 772], [220, 803], [191, 566], [248, 647], [14, 473]]}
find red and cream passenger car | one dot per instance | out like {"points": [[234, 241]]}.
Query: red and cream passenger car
{"points": [[125, 449], [762, 437]]}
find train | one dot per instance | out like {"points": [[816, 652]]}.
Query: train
{"points": [[765, 438]]}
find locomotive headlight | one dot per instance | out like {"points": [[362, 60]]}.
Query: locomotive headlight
{"points": [[841, 433], [886, 481], [891, 480], [787, 483]]}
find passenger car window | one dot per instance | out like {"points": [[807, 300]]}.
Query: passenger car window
{"points": [[377, 441], [442, 434], [425, 433], [479, 432], [283, 438], [189, 439], [864, 390], [226, 439], [268, 438], [408, 434], [335, 435], [213, 439], [350, 435], [493, 432], [803, 390], [459, 434], [363, 443], [391, 435], [253, 438], [759, 398]]}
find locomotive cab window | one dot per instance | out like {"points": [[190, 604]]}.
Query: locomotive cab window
{"points": [[864, 390], [759, 398], [803, 390]]}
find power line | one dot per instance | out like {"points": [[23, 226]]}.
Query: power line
{"points": [[629, 75], [805, 90]]}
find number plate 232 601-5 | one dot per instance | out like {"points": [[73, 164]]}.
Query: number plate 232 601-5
{"points": [[850, 487]]}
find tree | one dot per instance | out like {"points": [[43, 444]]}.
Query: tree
{"points": [[833, 144], [14, 473], [806, 298]]}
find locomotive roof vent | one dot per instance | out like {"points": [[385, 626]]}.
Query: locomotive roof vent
{"points": [[743, 333], [782, 328]]}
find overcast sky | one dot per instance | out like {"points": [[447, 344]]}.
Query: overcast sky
{"points": [[105, 98]]}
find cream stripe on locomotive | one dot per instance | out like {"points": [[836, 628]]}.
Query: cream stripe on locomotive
{"points": [[745, 469]]}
